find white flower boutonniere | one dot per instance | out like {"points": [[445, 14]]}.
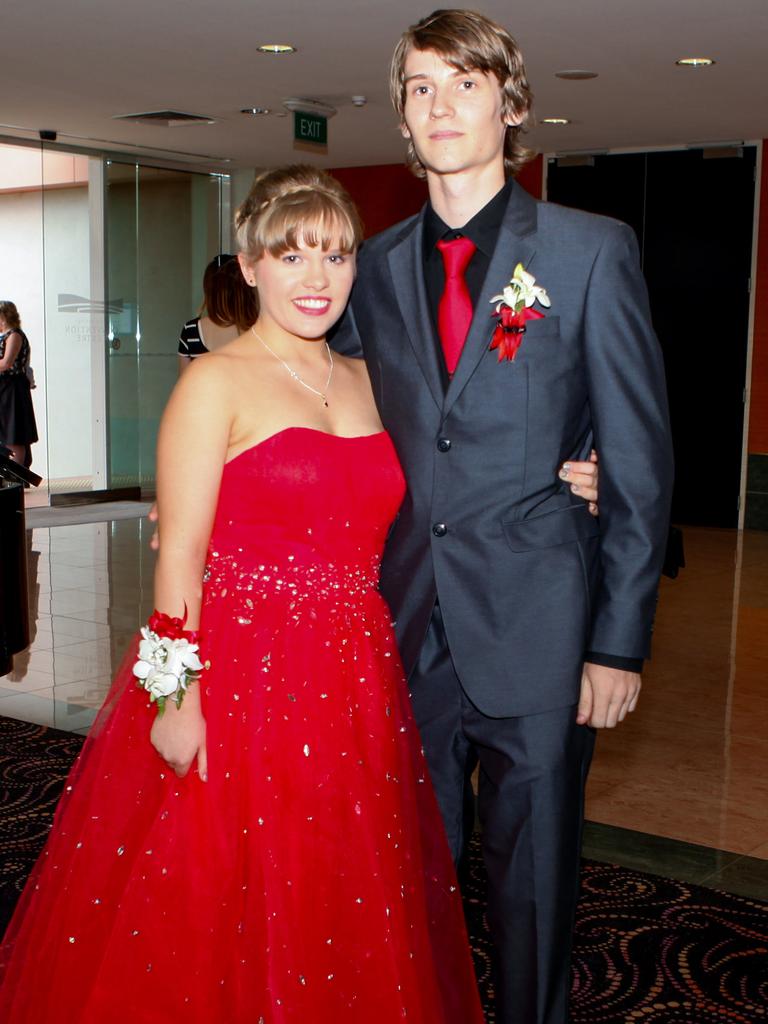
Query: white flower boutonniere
{"points": [[513, 308]]}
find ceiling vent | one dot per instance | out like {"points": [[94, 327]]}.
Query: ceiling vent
{"points": [[166, 118], [309, 106]]}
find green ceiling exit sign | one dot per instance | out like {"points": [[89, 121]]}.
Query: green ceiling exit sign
{"points": [[310, 128]]}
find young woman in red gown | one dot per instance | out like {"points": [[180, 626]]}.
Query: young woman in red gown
{"points": [[270, 851]]}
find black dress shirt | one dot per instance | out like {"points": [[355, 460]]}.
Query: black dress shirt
{"points": [[483, 230]]}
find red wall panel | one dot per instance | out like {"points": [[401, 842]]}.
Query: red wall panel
{"points": [[758, 410], [384, 194], [387, 193], [531, 176]]}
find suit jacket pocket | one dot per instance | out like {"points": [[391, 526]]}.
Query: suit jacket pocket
{"points": [[562, 526], [544, 327]]}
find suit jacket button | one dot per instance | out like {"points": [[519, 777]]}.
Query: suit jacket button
{"points": [[443, 444], [439, 529]]}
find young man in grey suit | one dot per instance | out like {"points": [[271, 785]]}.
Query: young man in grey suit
{"points": [[523, 621]]}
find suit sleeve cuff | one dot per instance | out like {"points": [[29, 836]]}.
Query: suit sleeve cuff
{"points": [[614, 661]]}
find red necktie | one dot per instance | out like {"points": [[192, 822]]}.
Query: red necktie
{"points": [[454, 314]]}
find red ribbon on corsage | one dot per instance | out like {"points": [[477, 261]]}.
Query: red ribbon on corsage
{"points": [[172, 628], [510, 329]]}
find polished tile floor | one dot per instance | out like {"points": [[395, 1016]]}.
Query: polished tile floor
{"points": [[681, 788], [90, 587], [691, 763]]}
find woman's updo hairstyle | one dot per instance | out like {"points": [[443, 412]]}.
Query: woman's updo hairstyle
{"points": [[296, 205]]}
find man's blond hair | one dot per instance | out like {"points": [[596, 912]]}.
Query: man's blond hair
{"points": [[469, 41]]}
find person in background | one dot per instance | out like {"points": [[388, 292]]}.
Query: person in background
{"points": [[229, 308], [18, 429]]}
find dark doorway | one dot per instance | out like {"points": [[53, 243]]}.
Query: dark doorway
{"points": [[692, 211]]}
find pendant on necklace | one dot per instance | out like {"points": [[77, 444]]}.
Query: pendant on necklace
{"points": [[321, 394]]}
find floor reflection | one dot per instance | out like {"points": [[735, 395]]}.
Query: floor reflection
{"points": [[90, 587], [689, 765], [21, 660]]}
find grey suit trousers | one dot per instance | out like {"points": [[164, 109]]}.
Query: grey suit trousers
{"points": [[533, 769]]}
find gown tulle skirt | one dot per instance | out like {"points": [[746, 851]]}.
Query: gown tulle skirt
{"points": [[309, 879]]}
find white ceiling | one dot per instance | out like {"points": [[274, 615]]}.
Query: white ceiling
{"points": [[72, 65]]}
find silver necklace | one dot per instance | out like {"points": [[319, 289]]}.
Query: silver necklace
{"points": [[320, 394]]}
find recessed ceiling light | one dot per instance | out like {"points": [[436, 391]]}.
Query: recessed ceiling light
{"points": [[276, 48], [255, 111], [555, 120], [695, 62], [576, 75]]}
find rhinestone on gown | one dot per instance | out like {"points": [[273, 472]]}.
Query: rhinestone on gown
{"points": [[308, 880]]}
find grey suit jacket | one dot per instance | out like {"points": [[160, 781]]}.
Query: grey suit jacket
{"points": [[526, 578]]}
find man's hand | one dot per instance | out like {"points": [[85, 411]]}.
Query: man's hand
{"points": [[583, 478], [607, 694], [154, 540]]}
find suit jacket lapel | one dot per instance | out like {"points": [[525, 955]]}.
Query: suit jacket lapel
{"points": [[406, 264], [514, 246]]}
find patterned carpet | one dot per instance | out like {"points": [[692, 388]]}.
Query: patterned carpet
{"points": [[647, 949]]}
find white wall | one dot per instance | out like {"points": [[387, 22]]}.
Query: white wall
{"points": [[68, 335], [33, 275]]}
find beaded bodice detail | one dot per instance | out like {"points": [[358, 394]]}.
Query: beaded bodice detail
{"points": [[304, 516]]}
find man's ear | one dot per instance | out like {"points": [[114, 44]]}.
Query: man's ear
{"points": [[404, 131], [511, 117]]}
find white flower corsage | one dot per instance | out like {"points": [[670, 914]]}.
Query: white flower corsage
{"points": [[168, 659]]}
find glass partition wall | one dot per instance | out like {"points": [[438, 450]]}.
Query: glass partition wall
{"points": [[162, 228], [68, 350], [104, 260]]}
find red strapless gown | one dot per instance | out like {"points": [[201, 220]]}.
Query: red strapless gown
{"points": [[309, 879]]}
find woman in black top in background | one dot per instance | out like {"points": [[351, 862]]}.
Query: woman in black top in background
{"points": [[229, 308], [18, 429]]}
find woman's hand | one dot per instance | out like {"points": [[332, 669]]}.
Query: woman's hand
{"points": [[178, 735], [154, 540], [583, 479]]}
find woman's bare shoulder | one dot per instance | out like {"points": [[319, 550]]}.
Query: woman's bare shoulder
{"points": [[205, 369], [233, 375], [356, 366]]}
